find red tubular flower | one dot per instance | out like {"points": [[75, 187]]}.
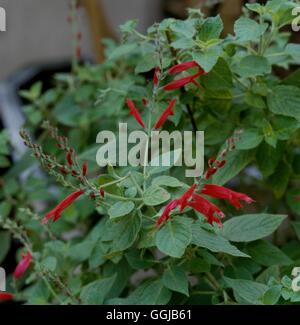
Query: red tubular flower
{"points": [[184, 66], [207, 208], [135, 113], [6, 296], [84, 168], [166, 213], [220, 192], [22, 266], [169, 111], [56, 212], [175, 84], [183, 201], [155, 77]]}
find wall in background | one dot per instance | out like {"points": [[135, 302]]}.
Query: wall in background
{"points": [[38, 32]]}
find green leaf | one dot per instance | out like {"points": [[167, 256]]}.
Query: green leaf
{"points": [[166, 181], [82, 251], [148, 293], [33, 93], [251, 227], [95, 292], [122, 51], [147, 63], [279, 181], [123, 232], [183, 43], [174, 237], [175, 279], [50, 263], [248, 29], [211, 29], [249, 139], [155, 195], [129, 26], [296, 226], [248, 290], [236, 161], [267, 254], [183, 27], [213, 242], [120, 209], [272, 295], [208, 58], [220, 77], [293, 79], [252, 66], [285, 100], [269, 157], [4, 244]]}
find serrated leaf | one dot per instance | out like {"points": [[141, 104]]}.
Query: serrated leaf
{"points": [[248, 29], [95, 292], [213, 242], [175, 279], [211, 28], [148, 293], [272, 295], [267, 254], [123, 232], [155, 195], [251, 227], [174, 237], [285, 100], [249, 139], [122, 51], [166, 181], [248, 290], [208, 58], [120, 209], [252, 66]]}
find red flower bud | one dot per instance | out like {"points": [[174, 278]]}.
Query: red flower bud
{"points": [[84, 168], [102, 193], [69, 158], [22, 266]]}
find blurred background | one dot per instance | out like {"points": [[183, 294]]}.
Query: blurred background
{"points": [[38, 30]]}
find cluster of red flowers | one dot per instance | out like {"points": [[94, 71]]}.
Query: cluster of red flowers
{"points": [[211, 212], [175, 84]]}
